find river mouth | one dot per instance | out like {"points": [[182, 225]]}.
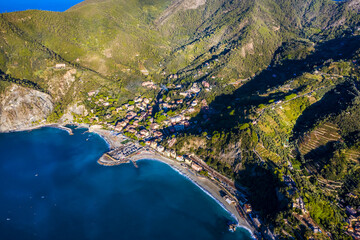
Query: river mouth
{"points": [[52, 187]]}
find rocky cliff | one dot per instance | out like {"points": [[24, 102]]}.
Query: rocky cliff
{"points": [[22, 108]]}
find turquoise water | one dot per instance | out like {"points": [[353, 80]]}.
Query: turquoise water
{"points": [[50, 5], [52, 188]]}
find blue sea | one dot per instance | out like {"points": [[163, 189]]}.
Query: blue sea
{"points": [[51, 187], [49, 5]]}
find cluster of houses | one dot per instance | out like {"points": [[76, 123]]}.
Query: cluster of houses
{"points": [[136, 115], [139, 121], [299, 204], [138, 118], [254, 218], [172, 154], [353, 221], [193, 90], [149, 84]]}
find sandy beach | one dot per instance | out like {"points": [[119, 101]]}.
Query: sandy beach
{"points": [[202, 182], [209, 187], [114, 140]]}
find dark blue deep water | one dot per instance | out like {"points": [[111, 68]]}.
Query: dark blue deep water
{"points": [[50, 5], [52, 188]]}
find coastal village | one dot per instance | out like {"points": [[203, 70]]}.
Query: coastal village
{"points": [[256, 103], [140, 132], [353, 220], [193, 168], [173, 115], [150, 125], [145, 125], [137, 119]]}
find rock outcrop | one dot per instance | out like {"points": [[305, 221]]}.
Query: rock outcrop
{"points": [[179, 5], [76, 108], [21, 108]]}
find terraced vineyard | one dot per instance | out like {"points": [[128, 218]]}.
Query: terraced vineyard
{"points": [[266, 154], [353, 154], [320, 136]]}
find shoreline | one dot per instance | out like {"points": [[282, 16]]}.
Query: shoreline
{"points": [[203, 183], [113, 141], [49, 125]]}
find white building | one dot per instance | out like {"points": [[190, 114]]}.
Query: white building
{"points": [[60, 66], [196, 167], [175, 119], [160, 148]]}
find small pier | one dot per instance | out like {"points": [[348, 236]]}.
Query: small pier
{"points": [[120, 155], [107, 160], [135, 165]]}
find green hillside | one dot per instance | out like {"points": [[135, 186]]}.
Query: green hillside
{"points": [[119, 40], [277, 91]]}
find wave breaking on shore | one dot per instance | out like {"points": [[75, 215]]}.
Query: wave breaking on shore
{"points": [[206, 192]]}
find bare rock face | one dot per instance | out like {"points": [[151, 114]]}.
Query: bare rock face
{"points": [[354, 4], [21, 108], [179, 5], [59, 85], [76, 108]]}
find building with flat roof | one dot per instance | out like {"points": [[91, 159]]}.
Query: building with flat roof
{"points": [[257, 222], [188, 161], [229, 200], [160, 148], [196, 167], [153, 144], [173, 153], [60, 66], [167, 153], [248, 208]]}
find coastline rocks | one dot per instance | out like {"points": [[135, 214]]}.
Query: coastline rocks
{"points": [[21, 108]]}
